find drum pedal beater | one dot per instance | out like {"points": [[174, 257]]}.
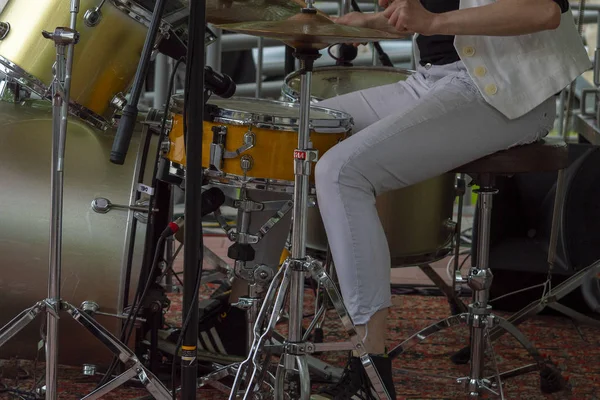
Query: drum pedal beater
{"points": [[292, 378], [65, 40]]}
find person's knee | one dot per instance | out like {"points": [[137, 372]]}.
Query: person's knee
{"points": [[327, 171]]}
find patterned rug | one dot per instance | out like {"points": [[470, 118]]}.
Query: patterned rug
{"points": [[573, 348]]}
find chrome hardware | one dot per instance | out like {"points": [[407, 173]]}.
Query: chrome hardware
{"points": [[165, 147], [102, 205], [263, 274], [92, 17], [142, 216], [89, 307], [89, 369], [119, 101], [217, 148], [4, 29], [246, 163]]}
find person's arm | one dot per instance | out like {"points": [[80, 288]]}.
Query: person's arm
{"points": [[501, 18], [368, 20]]}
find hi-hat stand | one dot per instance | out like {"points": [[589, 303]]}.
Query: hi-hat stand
{"points": [[65, 40]]}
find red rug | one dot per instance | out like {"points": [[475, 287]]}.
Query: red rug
{"points": [[575, 349]]}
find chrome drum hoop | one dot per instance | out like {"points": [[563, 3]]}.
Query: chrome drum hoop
{"points": [[30, 82], [174, 20], [228, 113], [292, 95], [262, 184]]}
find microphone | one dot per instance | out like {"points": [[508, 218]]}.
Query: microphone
{"points": [[348, 54], [220, 84], [212, 199], [128, 119]]}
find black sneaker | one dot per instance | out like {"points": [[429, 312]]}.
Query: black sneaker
{"points": [[221, 331], [355, 384]]}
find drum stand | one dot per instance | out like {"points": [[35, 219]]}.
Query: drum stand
{"points": [[292, 378], [65, 40]]}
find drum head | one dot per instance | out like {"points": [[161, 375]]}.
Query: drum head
{"points": [[270, 114], [329, 82]]}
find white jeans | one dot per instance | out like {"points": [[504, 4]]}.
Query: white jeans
{"points": [[404, 133]]}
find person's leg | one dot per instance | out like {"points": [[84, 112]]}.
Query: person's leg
{"points": [[446, 124]]}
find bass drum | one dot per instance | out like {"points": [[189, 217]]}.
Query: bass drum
{"points": [[93, 244], [418, 219]]}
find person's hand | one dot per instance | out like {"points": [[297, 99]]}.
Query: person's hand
{"points": [[409, 16], [354, 18]]}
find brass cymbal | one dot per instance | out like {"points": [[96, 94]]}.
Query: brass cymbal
{"points": [[235, 11], [307, 30]]}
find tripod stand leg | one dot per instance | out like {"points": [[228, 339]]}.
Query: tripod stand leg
{"points": [[575, 315], [18, 323], [527, 345], [112, 384], [557, 293], [152, 383], [423, 334]]}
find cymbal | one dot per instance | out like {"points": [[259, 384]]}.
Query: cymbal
{"points": [[235, 11], [306, 30]]}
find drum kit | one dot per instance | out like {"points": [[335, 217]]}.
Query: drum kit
{"points": [[248, 146]]}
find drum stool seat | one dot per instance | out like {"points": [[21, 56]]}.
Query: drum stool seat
{"points": [[548, 154]]}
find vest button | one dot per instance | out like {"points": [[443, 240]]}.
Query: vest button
{"points": [[491, 89], [480, 71], [469, 51]]}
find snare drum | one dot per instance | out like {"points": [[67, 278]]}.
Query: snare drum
{"points": [[418, 219], [105, 59], [328, 82], [253, 141]]}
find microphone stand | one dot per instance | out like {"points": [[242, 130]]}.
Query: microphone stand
{"points": [[192, 251], [130, 111], [65, 40]]}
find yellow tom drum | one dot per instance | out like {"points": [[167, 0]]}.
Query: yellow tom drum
{"points": [[105, 59], [253, 140], [417, 219]]}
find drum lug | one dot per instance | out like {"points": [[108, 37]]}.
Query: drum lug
{"points": [[119, 101], [249, 142], [165, 147], [4, 30], [93, 16], [246, 163]]}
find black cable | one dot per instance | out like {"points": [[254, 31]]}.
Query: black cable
{"points": [[128, 325], [184, 326]]}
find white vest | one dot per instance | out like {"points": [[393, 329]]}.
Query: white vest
{"points": [[515, 74]]}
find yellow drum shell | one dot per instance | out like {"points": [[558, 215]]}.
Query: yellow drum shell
{"points": [[272, 153], [106, 56]]}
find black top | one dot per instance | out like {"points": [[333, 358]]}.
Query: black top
{"points": [[439, 49]]}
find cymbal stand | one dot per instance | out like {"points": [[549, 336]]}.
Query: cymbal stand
{"points": [[65, 40], [292, 378]]}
